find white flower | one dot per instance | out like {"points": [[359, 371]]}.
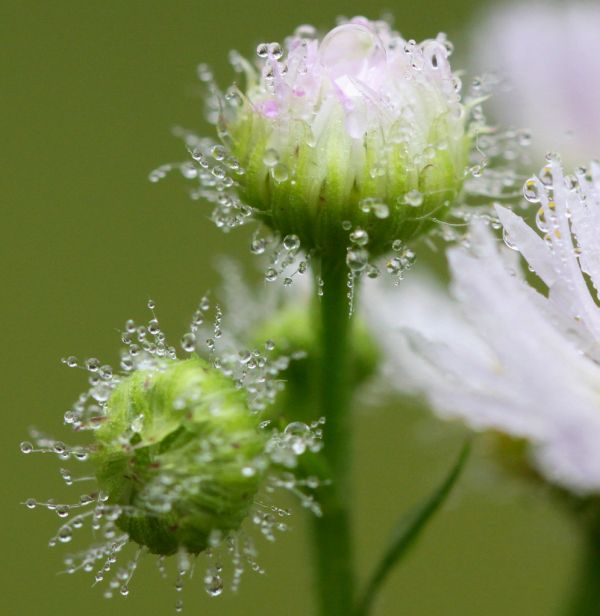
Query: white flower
{"points": [[549, 55], [358, 127], [506, 356]]}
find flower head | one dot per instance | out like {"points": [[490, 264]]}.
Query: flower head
{"points": [[181, 454], [360, 129], [511, 358], [547, 54]]}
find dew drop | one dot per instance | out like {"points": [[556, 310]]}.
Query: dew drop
{"points": [[213, 583], [274, 49], [101, 392], [26, 447], [372, 271], [258, 246], [291, 243], [59, 447], [188, 342], [394, 266], [280, 173], [359, 237], [381, 210], [262, 51], [413, 198], [357, 259], [531, 190], [270, 157], [92, 364]]}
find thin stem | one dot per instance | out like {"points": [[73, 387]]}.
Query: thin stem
{"points": [[586, 599], [332, 532]]}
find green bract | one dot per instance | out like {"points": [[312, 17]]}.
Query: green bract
{"points": [[180, 452], [341, 183]]}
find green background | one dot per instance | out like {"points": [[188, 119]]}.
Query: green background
{"points": [[89, 93]]}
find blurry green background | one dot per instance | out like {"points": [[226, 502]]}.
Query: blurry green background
{"points": [[89, 93]]}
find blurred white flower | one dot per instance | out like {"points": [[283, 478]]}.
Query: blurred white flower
{"points": [[503, 355], [548, 55]]}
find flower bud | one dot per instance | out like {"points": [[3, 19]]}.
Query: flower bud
{"points": [[184, 458], [359, 129], [174, 452]]}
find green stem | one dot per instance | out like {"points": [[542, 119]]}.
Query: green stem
{"points": [[332, 531], [586, 600]]}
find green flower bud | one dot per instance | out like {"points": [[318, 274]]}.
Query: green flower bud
{"points": [[181, 454]]}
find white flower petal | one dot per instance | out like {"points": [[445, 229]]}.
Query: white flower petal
{"points": [[506, 357]]}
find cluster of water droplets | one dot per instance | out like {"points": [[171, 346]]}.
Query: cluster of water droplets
{"points": [[358, 258], [554, 194], [285, 258], [215, 174]]}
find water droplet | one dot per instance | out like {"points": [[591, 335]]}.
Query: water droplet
{"points": [[188, 171], [271, 275], [59, 447], [262, 51], [291, 243], [218, 152], [507, 240], [394, 265], [65, 534], [413, 198], [101, 392], [275, 51], [270, 157], [26, 447], [92, 364], [258, 246], [188, 342], [381, 210], [280, 173], [31, 503], [372, 271], [357, 259], [531, 190], [213, 583], [359, 237], [545, 175]]}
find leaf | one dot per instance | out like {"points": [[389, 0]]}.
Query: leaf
{"points": [[409, 529]]}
